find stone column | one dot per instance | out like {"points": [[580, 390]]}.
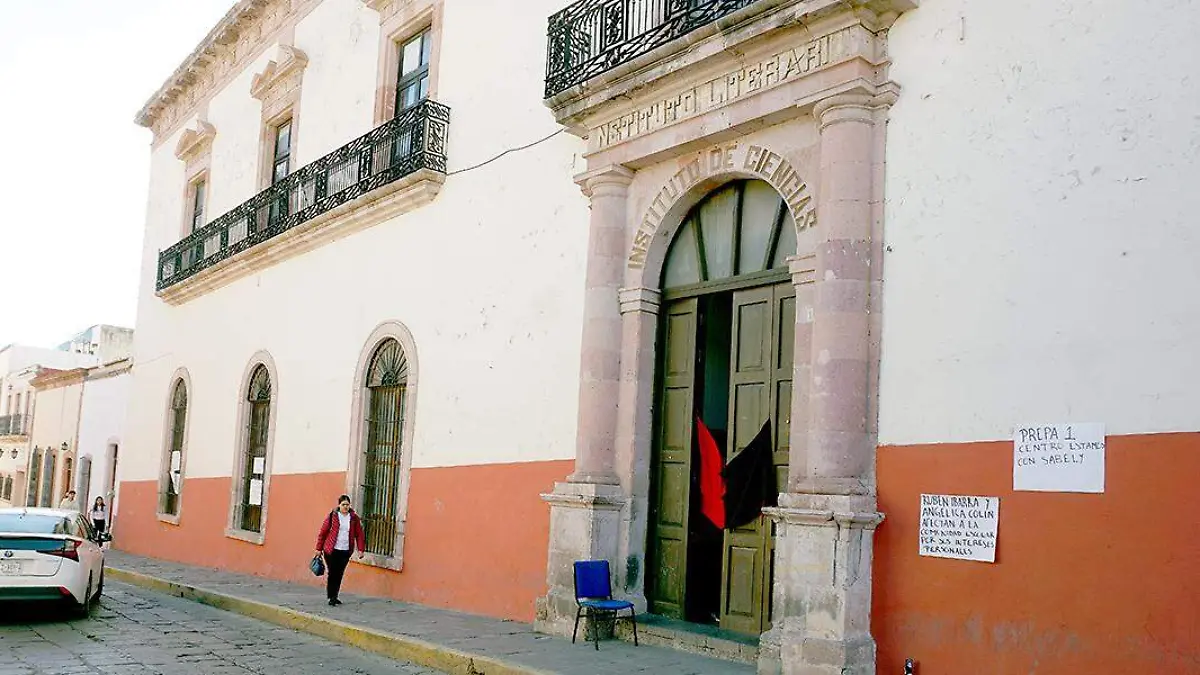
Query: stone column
{"points": [[600, 370], [822, 588], [585, 511]]}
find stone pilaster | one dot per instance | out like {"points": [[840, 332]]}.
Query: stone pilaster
{"points": [[826, 519], [586, 510]]}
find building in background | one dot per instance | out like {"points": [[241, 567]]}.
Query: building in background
{"points": [[54, 436], [103, 413], [107, 343], [19, 365]]}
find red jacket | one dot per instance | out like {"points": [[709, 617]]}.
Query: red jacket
{"points": [[329, 533]]}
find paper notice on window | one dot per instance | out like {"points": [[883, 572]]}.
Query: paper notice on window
{"points": [[1059, 458], [260, 465], [959, 527], [175, 482], [176, 459], [256, 489]]}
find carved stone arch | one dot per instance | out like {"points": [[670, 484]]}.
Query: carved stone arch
{"points": [[253, 385], [384, 332], [179, 396], [661, 219]]}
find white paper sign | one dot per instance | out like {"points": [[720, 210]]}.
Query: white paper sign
{"points": [[175, 460], [959, 527], [260, 465], [1059, 458], [256, 492]]}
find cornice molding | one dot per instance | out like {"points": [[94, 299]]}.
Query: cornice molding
{"points": [[291, 62], [195, 141], [239, 37]]}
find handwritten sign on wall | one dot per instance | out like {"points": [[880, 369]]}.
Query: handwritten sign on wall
{"points": [[959, 526], [1059, 458]]}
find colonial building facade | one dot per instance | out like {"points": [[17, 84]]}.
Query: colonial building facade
{"points": [[882, 233]]}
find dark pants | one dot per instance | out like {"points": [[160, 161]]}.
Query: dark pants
{"points": [[337, 561], [99, 525]]}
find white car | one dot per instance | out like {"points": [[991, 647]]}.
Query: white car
{"points": [[50, 554]]}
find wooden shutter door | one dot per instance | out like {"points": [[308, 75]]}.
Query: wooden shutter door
{"points": [[750, 404], [672, 467]]}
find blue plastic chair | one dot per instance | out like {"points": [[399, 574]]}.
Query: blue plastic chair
{"points": [[593, 596]]}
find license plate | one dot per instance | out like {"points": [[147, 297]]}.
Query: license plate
{"points": [[10, 567]]}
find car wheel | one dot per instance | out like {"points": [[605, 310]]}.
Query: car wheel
{"points": [[84, 608]]}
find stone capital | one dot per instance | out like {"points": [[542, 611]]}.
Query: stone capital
{"points": [[844, 108], [640, 299], [613, 179], [803, 268]]}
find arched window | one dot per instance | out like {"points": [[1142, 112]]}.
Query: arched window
{"points": [[742, 228], [249, 509], [171, 485], [383, 448]]}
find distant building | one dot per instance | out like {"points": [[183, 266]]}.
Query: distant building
{"points": [[19, 366], [107, 343]]}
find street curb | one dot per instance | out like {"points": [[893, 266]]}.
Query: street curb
{"points": [[399, 647]]}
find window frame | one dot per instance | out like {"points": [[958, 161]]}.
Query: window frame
{"points": [[174, 430], [242, 461], [403, 81], [390, 330], [197, 197], [398, 25]]}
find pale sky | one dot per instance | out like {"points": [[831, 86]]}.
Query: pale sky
{"points": [[73, 165]]}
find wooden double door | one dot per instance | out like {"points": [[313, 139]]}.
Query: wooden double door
{"points": [[726, 360]]}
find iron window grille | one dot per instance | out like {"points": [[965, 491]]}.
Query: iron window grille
{"points": [[414, 140], [591, 37], [387, 381], [173, 472], [247, 514]]}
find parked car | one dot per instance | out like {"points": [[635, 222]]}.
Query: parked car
{"points": [[50, 555]]}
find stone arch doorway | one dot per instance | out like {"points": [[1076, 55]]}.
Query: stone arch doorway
{"points": [[725, 349]]}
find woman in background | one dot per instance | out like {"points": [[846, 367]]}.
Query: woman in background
{"points": [[99, 515], [341, 534]]}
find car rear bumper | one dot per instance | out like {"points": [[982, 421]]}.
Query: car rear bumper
{"points": [[35, 593]]}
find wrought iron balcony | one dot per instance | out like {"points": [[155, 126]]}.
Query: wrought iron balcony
{"points": [[593, 36], [414, 140], [15, 425]]}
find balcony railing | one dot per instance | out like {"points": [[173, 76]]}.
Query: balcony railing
{"points": [[414, 140], [593, 36], [15, 425]]}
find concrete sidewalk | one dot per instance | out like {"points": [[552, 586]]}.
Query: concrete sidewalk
{"points": [[448, 641]]}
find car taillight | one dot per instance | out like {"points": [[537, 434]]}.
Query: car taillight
{"points": [[69, 550]]}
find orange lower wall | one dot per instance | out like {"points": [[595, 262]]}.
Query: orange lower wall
{"points": [[1106, 583], [476, 538]]}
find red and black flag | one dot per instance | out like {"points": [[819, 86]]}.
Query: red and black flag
{"points": [[734, 494]]}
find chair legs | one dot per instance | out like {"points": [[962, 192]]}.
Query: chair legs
{"points": [[593, 617]]}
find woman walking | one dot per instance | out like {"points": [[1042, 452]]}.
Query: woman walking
{"points": [[341, 534], [99, 515]]}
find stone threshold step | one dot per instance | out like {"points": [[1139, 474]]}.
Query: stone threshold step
{"points": [[690, 637]]}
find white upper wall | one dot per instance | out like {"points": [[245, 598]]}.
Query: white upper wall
{"points": [[488, 277], [101, 421], [1041, 198]]}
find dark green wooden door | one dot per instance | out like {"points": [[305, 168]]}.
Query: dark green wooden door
{"points": [[673, 463], [760, 390]]}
